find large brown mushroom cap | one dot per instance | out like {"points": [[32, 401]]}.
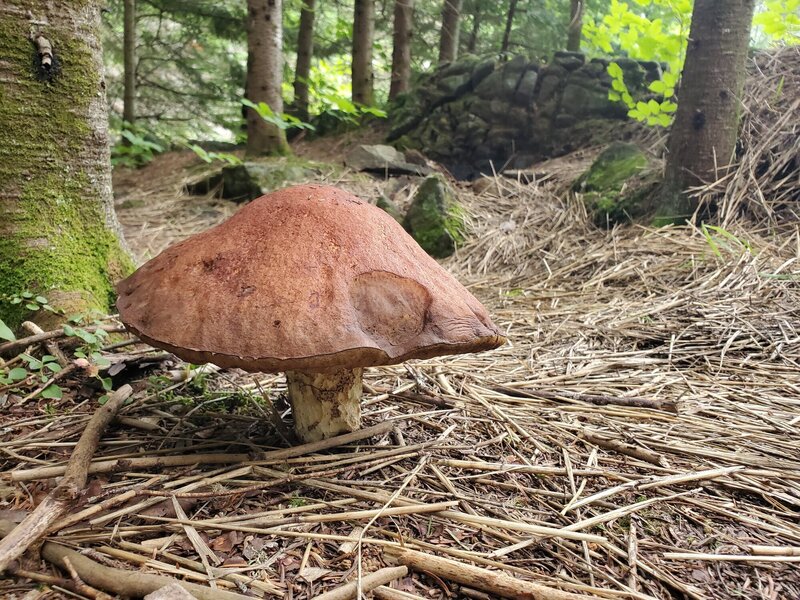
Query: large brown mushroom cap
{"points": [[308, 278]]}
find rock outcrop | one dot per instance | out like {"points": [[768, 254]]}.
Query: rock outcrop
{"points": [[475, 114]]}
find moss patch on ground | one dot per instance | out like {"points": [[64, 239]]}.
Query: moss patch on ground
{"points": [[435, 219]]}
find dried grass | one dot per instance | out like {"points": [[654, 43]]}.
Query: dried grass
{"points": [[558, 475]]}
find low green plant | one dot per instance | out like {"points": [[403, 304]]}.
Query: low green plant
{"points": [[45, 367], [282, 121], [134, 149]]}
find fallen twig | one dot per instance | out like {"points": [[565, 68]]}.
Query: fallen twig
{"points": [[368, 582], [61, 497], [119, 581], [491, 581]]}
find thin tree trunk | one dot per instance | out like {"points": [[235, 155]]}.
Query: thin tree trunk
{"points": [[512, 8], [363, 34], [264, 75], [401, 52], [448, 42], [703, 138], [575, 29], [305, 51], [59, 235], [129, 60], [476, 26]]}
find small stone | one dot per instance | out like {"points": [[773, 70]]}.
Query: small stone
{"points": [[382, 159]]}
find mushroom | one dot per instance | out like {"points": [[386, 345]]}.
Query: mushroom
{"points": [[310, 281]]}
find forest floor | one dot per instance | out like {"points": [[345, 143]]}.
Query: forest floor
{"points": [[636, 437]]}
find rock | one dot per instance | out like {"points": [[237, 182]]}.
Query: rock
{"points": [[582, 99], [524, 94], [172, 591], [454, 85], [603, 183], [571, 61], [390, 207], [249, 180], [633, 72], [382, 160], [481, 71], [435, 219]]}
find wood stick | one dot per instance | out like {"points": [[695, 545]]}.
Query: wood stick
{"points": [[775, 550], [51, 347], [368, 583], [119, 581], [493, 582], [67, 491], [109, 466], [627, 449], [729, 557], [386, 593], [667, 405]]}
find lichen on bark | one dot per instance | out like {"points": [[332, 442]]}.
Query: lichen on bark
{"points": [[58, 231]]}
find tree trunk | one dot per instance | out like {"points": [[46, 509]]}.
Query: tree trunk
{"points": [[363, 34], [305, 50], [129, 60], [575, 29], [59, 235], [401, 52], [472, 45], [448, 42], [703, 136], [264, 75], [512, 8]]}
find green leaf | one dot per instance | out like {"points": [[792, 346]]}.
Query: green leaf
{"points": [[52, 392], [41, 299], [17, 374], [32, 306], [657, 86], [53, 366], [6, 333], [615, 70], [27, 295], [618, 85], [668, 107], [107, 383], [33, 363]]}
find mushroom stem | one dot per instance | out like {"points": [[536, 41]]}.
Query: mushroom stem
{"points": [[325, 404]]}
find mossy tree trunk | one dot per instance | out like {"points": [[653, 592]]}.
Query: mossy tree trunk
{"points": [[448, 42], [265, 75], [305, 51], [575, 28], [129, 61], [59, 235], [363, 36], [401, 47], [703, 137]]}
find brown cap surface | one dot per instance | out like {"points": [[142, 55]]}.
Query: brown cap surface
{"points": [[308, 278]]}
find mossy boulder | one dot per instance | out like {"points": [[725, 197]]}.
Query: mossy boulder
{"points": [[249, 180], [435, 219], [618, 170], [390, 207]]}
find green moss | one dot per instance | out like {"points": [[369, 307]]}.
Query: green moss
{"points": [[435, 219], [612, 168], [53, 238]]}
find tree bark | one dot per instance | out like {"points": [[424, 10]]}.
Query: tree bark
{"points": [[448, 42], [264, 75], [703, 137], [129, 62], [476, 27], [401, 52], [512, 8], [575, 28], [59, 235], [305, 51], [363, 34]]}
